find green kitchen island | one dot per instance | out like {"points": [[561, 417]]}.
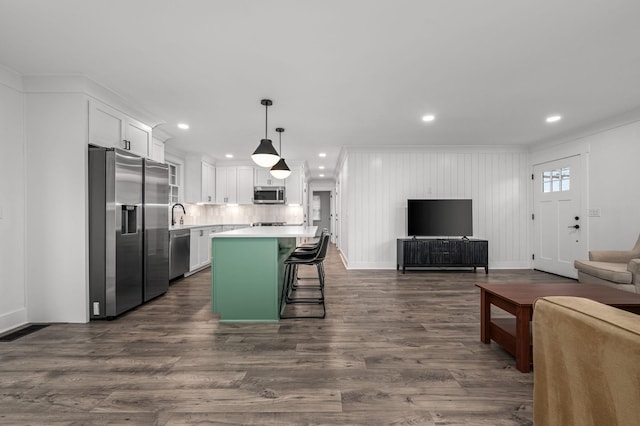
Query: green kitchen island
{"points": [[247, 271]]}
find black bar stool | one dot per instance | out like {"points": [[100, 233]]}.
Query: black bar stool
{"points": [[304, 249], [291, 287]]}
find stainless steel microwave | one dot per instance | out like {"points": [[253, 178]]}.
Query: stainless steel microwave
{"points": [[268, 195]]}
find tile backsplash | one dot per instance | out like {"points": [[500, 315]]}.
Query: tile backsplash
{"points": [[244, 214]]}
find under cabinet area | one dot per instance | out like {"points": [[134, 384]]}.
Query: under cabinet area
{"points": [[109, 127], [441, 253]]}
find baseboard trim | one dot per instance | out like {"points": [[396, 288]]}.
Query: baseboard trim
{"points": [[387, 265], [13, 319]]}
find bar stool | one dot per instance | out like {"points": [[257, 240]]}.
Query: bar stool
{"points": [[310, 248], [291, 287]]}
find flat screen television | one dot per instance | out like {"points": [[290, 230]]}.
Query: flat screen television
{"points": [[439, 218]]}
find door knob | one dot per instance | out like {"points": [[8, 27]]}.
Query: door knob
{"points": [[574, 226]]}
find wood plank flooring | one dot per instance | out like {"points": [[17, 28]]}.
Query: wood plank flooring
{"points": [[394, 349]]}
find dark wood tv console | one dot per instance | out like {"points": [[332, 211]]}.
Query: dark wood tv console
{"points": [[442, 252]]}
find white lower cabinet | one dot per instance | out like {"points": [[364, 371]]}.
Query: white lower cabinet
{"points": [[200, 251]]}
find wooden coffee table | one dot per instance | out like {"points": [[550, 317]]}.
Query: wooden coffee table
{"points": [[518, 299]]}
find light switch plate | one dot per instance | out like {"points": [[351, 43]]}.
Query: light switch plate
{"points": [[594, 212]]}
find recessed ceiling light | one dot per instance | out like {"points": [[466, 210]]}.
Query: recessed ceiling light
{"points": [[229, 155], [321, 175], [183, 126], [428, 118], [553, 118], [321, 167], [322, 154]]}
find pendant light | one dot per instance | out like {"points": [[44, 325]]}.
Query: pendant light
{"points": [[280, 170], [265, 155]]}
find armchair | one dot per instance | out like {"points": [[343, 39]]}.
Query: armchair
{"points": [[614, 268], [585, 358]]}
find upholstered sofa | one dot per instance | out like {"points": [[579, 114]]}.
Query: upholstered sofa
{"points": [[615, 268], [585, 363]]}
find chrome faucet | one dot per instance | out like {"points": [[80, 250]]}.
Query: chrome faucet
{"points": [[173, 221]]}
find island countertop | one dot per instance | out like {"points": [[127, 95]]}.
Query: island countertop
{"points": [[269, 232]]}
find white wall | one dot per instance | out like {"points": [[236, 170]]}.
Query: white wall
{"points": [[56, 262], [613, 173], [374, 199], [13, 310]]}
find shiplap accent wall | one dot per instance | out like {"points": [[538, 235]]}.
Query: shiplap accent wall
{"points": [[374, 199]]}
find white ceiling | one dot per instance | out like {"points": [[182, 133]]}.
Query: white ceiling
{"points": [[341, 72]]}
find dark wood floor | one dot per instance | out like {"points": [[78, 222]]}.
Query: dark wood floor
{"points": [[394, 349]]}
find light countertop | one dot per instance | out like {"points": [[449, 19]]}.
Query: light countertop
{"points": [[178, 227], [269, 232]]}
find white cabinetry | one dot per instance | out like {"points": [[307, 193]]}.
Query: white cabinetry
{"points": [[263, 178], [234, 185], [226, 185], [245, 185], [208, 194], [109, 127], [294, 186], [200, 251], [156, 153], [200, 180], [137, 138]]}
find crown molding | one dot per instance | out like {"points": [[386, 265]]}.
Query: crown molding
{"points": [[81, 84]]}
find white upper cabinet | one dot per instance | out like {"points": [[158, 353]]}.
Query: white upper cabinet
{"points": [[293, 186], [137, 137], [106, 125], [156, 153], [208, 194], [263, 178], [245, 185], [199, 180], [109, 127], [226, 185], [234, 185]]}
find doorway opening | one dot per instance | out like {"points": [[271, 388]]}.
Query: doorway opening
{"points": [[321, 210]]}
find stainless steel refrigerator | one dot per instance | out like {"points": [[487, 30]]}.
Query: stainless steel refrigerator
{"points": [[128, 231]]}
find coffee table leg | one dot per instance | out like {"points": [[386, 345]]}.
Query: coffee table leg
{"points": [[485, 317], [523, 339]]}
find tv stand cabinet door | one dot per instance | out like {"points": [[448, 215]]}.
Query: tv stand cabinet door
{"points": [[416, 252]]}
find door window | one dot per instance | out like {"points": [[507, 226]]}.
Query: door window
{"points": [[556, 180]]}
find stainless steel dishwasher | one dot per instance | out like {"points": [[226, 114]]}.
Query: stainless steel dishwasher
{"points": [[179, 247]]}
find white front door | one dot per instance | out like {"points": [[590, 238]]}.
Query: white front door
{"points": [[557, 222]]}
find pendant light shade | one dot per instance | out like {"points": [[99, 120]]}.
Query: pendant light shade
{"points": [[265, 155], [280, 170]]}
